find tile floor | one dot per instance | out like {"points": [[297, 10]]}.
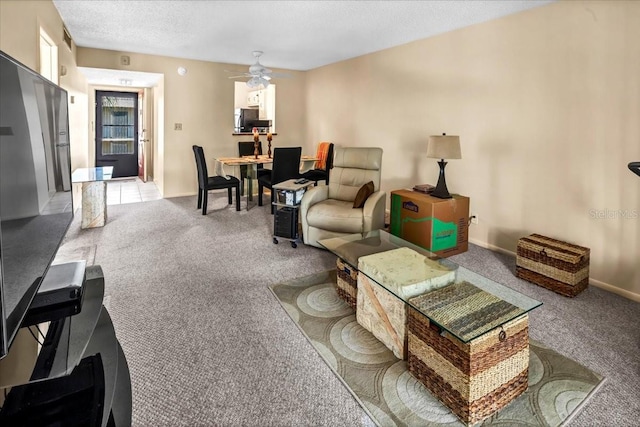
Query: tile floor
{"points": [[131, 190]]}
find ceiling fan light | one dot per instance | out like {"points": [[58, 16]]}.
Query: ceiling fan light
{"points": [[256, 82]]}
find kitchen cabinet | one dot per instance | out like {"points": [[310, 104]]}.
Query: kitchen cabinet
{"points": [[258, 98], [255, 98]]}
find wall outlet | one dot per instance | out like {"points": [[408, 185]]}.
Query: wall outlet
{"points": [[474, 219], [177, 126]]}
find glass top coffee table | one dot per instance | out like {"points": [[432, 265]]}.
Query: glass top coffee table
{"points": [[464, 336], [352, 247]]}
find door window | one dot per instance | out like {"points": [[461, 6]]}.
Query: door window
{"points": [[118, 125]]}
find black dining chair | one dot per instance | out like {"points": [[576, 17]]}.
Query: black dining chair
{"points": [[206, 182], [286, 165], [246, 148], [325, 153]]}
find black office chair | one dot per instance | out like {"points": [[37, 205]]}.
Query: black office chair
{"points": [[286, 165], [206, 182], [246, 148], [316, 175], [635, 167]]}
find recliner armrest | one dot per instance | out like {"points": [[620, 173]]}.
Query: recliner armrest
{"points": [[313, 196], [310, 198], [374, 210]]}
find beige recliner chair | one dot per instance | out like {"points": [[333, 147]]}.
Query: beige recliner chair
{"points": [[327, 211]]}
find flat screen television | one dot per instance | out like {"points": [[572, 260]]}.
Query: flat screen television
{"points": [[36, 204]]}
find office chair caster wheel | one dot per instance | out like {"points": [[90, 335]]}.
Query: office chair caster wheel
{"points": [[275, 241], [294, 245]]}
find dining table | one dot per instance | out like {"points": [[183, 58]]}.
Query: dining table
{"points": [[306, 163]]}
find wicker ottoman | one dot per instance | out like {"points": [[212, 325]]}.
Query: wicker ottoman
{"points": [[553, 264], [347, 283], [479, 377], [404, 272]]}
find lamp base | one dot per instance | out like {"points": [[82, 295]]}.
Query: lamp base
{"points": [[441, 190]]}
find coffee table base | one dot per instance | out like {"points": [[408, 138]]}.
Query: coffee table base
{"points": [[475, 379], [94, 204]]}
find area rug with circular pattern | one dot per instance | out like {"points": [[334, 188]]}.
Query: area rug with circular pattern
{"points": [[381, 383]]}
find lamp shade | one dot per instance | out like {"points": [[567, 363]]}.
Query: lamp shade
{"points": [[444, 147]]}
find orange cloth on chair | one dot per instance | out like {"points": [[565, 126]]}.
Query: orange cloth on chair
{"points": [[321, 154]]}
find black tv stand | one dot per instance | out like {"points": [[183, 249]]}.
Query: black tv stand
{"points": [[60, 294], [48, 352], [80, 377], [76, 399]]}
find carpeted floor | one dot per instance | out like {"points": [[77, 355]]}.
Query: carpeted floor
{"points": [[208, 345]]}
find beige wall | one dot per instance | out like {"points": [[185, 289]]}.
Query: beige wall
{"points": [[546, 103], [20, 23], [203, 101]]}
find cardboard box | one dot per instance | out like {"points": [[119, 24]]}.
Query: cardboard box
{"points": [[438, 225]]}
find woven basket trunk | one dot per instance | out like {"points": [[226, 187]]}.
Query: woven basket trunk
{"points": [[347, 283], [559, 266], [475, 379]]}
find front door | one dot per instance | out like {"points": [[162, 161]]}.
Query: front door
{"points": [[117, 132]]}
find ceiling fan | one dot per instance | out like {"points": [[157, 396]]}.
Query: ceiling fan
{"points": [[260, 75]]}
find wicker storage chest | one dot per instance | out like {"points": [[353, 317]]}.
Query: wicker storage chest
{"points": [[476, 378], [347, 283], [553, 264]]}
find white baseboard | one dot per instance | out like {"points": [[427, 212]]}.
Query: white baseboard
{"points": [[602, 285], [616, 290], [182, 195]]}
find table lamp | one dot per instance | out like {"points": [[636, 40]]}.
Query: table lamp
{"points": [[443, 147]]}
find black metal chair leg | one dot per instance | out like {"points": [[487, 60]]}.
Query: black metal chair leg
{"points": [[260, 188], [204, 202], [199, 198], [229, 195], [238, 197]]}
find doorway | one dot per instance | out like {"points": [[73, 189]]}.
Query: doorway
{"points": [[117, 132]]}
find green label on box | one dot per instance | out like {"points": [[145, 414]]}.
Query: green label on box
{"points": [[444, 235]]}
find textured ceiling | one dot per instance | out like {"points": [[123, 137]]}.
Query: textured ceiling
{"points": [[296, 35]]}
